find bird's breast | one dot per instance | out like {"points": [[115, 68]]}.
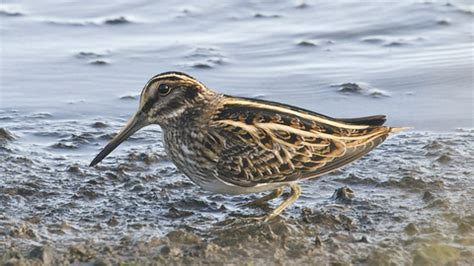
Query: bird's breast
{"points": [[195, 153], [187, 150]]}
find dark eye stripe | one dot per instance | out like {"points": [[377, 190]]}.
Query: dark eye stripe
{"points": [[148, 105]]}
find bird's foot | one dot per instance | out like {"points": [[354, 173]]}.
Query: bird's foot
{"points": [[258, 203], [263, 201]]}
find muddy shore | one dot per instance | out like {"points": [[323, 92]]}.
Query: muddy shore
{"points": [[407, 202]]}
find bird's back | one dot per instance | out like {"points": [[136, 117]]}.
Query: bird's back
{"points": [[260, 142]]}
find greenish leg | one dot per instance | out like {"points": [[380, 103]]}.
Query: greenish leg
{"points": [[263, 200], [295, 193]]}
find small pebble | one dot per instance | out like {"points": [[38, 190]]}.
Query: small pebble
{"points": [[411, 229]]}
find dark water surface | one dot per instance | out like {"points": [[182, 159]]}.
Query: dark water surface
{"points": [[72, 71]]}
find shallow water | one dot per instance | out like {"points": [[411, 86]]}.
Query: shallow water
{"points": [[71, 75]]}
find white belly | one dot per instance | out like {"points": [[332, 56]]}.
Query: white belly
{"points": [[221, 187]]}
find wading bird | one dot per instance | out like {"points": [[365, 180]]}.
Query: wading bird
{"points": [[235, 145]]}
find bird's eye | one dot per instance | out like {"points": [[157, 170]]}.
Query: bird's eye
{"points": [[163, 89]]}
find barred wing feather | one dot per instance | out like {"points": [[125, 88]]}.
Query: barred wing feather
{"points": [[268, 144]]}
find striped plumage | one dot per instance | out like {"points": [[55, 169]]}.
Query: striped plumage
{"points": [[238, 145]]}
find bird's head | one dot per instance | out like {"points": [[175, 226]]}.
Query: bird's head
{"points": [[164, 98]]}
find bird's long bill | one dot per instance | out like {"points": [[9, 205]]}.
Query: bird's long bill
{"points": [[132, 126]]}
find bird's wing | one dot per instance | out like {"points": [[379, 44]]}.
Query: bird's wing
{"points": [[266, 143]]}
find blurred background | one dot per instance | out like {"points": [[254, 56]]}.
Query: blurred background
{"points": [[71, 72], [411, 60]]}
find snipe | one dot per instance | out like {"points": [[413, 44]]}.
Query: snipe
{"points": [[237, 145]]}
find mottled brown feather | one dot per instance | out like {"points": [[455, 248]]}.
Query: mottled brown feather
{"points": [[267, 145]]}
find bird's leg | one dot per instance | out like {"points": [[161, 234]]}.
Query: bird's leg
{"points": [[263, 200], [295, 193]]}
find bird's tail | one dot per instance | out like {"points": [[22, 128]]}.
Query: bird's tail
{"points": [[398, 129]]}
